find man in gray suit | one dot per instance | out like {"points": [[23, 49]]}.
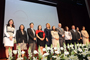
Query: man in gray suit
{"points": [[32, 37], [61, 34]]}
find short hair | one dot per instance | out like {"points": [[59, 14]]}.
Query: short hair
{"points": [[73, 25], [83, 26], [48, 24], [31, 23], [59, 23], [77, 27]]}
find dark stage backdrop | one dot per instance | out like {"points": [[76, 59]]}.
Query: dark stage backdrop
{"points": [[73, 14], [68, 14]]}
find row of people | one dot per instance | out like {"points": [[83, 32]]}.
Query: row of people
{"points": [[49, 36]]}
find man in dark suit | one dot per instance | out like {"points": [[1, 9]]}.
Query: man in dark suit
{"points": [[61, 34], [75, 36], [32, 37]]}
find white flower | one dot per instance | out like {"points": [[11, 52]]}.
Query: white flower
{"points": [[77, 44], [48, 48], [44, 49], [20, 58], [83, 45], [23, 52], [79, 49], [88, 57], [80, 44], [45, 54], [86, 49], [56, 52], [54, 56], [15, 52], [61, 48], [55, 48], [71, 45], [66, 53], [35, 52], [68, 47]]}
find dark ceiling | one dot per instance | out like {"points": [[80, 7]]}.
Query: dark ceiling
{"points": [[54, 2]]}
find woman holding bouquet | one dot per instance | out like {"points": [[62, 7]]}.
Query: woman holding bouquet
{"points": [[40, 38]]}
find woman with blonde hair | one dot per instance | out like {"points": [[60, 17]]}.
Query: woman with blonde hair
{"points": [[47, 31]]}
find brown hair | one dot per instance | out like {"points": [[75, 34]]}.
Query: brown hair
{"points": [[48, 24]]}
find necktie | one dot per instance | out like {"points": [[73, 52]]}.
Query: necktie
{"points": [[60, 29]]}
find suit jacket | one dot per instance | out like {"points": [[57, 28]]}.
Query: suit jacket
{"points": [[75, 35], [20, 37], [31, 35], [61, 32]]}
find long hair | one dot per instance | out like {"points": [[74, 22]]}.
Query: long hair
{"points": [[49, 25], [66, 28], [38, 27], [55, 28], [12, 24], [20, 26]]}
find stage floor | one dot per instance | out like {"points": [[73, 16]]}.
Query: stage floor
{"points": [[3, 59]]}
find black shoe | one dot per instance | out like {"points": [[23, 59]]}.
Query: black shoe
{"points": [[6, 58]]}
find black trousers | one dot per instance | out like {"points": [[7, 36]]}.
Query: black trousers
{"points": [[80, 41], [68, 42], [74, 41]]}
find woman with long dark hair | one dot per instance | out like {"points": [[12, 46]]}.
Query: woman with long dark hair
{"points": [[10, 32], [55, 37], [21, 38], [40, 38]]}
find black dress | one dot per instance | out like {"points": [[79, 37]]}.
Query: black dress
{"points": [[48, 36], [41, 34]]}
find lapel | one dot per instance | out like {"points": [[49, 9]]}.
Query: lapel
{"points": [[32, 31], [60, 29]]}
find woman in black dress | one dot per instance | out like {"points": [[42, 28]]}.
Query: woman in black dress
{"points": [[47, 31], [21, 38], [40, 38]]}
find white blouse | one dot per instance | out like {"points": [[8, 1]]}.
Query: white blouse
{"points": [[68, 35], [54, 34], [9, 31]]}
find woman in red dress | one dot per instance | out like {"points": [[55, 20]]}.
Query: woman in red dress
{"points": [[40, 38]]}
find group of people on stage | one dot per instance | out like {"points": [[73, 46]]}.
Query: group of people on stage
{"points": [[49, 36]]}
